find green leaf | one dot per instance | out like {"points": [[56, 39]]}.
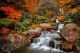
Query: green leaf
{"points": [[5, 22]]}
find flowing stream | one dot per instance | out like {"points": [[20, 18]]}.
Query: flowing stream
{"points": [[41, 44]]}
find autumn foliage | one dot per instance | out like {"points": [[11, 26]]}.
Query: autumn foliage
{"points": [[12, 13], [61, 18], [31, 5], [74, 10]]}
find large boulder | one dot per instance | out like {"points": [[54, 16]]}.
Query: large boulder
{"points": [[69, 34], [34, 32], [47, 26]]}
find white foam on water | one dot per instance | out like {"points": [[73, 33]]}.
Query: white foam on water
{"points": [[60, 26], [42, 42]]}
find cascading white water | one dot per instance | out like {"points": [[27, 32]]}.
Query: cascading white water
{"points": [[42, 42], [60, 26]]}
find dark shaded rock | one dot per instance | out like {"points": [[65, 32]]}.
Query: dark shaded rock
{"points": [[51, 44]]}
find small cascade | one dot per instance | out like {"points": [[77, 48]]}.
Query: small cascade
{"points": [[60, 26], [42, 43]]}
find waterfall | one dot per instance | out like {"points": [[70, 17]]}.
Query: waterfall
{"points": [[60, 26], [42, 43]]}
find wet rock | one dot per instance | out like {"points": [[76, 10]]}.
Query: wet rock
{"points": [[34, 32], [51, 44], [47, 26], [54, 25]]}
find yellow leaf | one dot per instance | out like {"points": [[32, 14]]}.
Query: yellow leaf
{"points": [[74, 10]]}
